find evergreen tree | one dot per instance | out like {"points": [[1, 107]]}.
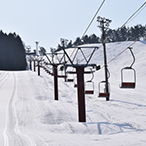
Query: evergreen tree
{"points": [[85, 39], [123, 34], [112, 35], [59, 47], [94, 39], [12, 56], [69, 45], [77, 42]]}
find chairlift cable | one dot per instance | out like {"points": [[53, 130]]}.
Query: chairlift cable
{"points": [[125, 49], [122, 27], [137, 13], [130, 18], [119, 28], [92, 19], [90, 22], [133, 15]]}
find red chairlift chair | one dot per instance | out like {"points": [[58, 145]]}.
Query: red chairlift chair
{"points": [[102, 90], [91, 89], [75, 82], [89, 85], [70, 77], [129, 84]]}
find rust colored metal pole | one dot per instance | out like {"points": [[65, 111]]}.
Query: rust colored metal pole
{"points": [[34, 65], [38, 68], [30, 65], [81, 94], [105, 62], [55, 82]]}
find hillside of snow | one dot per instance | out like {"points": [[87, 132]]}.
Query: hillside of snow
{"points": [[31, 117]]}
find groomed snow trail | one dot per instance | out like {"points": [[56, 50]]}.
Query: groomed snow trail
{"points": [[8, 91], [18, 111]]}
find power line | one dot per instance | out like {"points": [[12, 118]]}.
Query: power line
{"points": [[138, 13], [130, 18], [93, 19], [133, 15], [126, 48], [89, 24]]}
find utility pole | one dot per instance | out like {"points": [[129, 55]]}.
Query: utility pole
{"points": [[55, 81], [103, 25], [64, 43], [38, 67], [30, 65], [28, 49], [37, 51], [34, 64]]}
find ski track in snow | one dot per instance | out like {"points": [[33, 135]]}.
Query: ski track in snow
{"points": [[3, 79], [34, 138], [13, 133]]}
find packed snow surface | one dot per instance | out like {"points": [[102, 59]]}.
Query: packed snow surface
{"points": [[29, 115]]}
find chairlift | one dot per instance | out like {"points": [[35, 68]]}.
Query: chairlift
{"points": [[62, 75], [102, 90], [70, 77], [128, 84], [75, 82], [89, 85], [70, 80], [75, 85], [131, 74]]}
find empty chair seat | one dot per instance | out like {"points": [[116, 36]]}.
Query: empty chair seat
{"points": [[70, 80], [104, 95], [89, 92], [128, 85]]}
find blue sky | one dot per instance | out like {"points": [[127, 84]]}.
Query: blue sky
{"points": [[47, 21]]}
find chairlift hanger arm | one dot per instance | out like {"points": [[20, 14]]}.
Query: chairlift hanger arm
{"points": [[92, 76], [108, 73], [130, 48]]}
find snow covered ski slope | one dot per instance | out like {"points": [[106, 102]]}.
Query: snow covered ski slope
{"points": [[29, 115]]}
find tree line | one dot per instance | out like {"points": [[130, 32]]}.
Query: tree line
{"points": [[12, 52], [112, 35]]}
